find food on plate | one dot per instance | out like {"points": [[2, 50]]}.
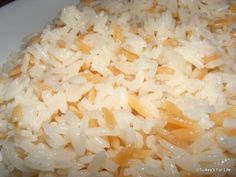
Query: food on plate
{"points": [[125, 88]]}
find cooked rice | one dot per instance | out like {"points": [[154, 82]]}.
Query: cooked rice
{"points": [[124, 88]]}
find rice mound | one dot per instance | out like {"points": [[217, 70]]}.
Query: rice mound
{"points": [[138, 88]]}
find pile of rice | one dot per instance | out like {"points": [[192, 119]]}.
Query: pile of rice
{"points": [[125, 88]]}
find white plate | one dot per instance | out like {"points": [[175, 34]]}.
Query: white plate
{"points": [[24, 17]]}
